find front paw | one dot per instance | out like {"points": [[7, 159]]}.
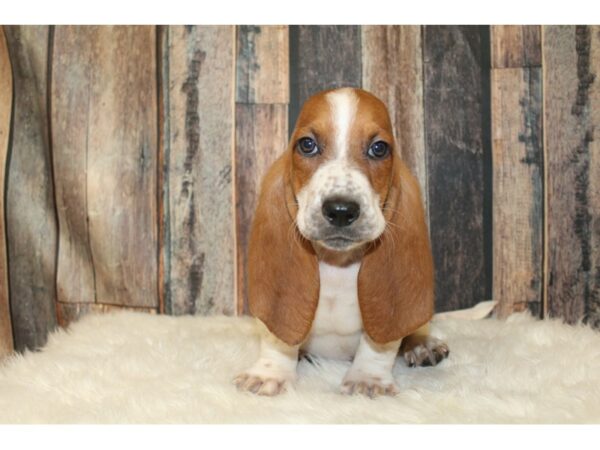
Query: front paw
{"points": [[262, 384], [371, 386], [429, 351]]}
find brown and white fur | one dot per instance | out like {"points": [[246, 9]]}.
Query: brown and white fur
{"points": [[340, 264]]}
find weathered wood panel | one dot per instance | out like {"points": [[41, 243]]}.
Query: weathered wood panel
{"points": [[322, 57], [392, 69], [456, 110], [593, 313], [518, 190], [31, 213], [516, 46], [262, 60], [71, 312], [261, 124], [571, 65], [6, 91], [200, 107], [261, 136], [104, 131]]}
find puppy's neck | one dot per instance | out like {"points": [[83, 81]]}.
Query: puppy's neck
{"points": [[339, 258]]}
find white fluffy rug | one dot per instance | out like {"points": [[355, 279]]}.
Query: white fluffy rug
{"points": [[132, 368]]}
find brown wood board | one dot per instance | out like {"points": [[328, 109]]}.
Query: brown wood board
{"points": [[6, 91], [104, 131]]}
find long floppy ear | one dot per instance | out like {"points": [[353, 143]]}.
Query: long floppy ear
{"points": [[395, 282], [283, 272]]}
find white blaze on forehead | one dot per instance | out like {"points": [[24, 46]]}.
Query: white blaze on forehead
{"points": [[343, 105]]}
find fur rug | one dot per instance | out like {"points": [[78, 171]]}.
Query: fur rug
{"points": [[132, 367]]}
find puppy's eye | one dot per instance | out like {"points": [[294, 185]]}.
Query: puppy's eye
{"points": [[378, 150], [308, 146]]}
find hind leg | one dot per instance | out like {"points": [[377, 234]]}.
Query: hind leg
{"points": [[422, 349]]}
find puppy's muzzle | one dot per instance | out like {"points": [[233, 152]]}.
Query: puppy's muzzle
{"points": [[340, 212]]}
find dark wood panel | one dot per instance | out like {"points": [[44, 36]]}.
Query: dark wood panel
{"points": [[518, 189], [31, 213], [392, 65], [322, 57], [6, 94], [261, 136], [104, 130], [457, 142], [199, 110], [571, 64], [516, 46], [262, 61]]}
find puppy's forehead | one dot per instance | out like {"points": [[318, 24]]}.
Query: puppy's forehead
{"points": [[331, 109]]}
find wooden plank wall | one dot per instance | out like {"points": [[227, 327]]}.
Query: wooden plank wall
{"points": [[139, 152]]}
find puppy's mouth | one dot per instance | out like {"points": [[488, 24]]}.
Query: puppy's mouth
{"points": [[339, 243]]}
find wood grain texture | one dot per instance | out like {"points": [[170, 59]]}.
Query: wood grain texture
{"points": [[31, 213], [593, 310], [516, 46], [200, 139], [104, 132], [262, 64], [322, 57], [518, 191], [456, 83], [71, 312], [6, 95], [261, 136], [392, 69], [571, 96]]}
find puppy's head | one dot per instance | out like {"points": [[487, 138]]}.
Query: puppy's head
{"points": [[343, 152]]}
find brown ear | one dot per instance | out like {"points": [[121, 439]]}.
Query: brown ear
{"points": [[283, 273], [395, 282]]}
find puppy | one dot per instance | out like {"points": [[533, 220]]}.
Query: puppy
{"points": [[340, 264]]}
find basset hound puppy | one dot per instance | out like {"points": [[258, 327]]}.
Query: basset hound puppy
{"points": [[339, 261]]}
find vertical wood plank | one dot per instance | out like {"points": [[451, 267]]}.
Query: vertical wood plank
{"points": [[593, 313], [518, 191], [31, 213], [457, 140], [322, 57], [261, 125], [71, 92], [392, 69], [516, 46], [200, 138], [262, 64], [104, 131], [6, 94], [571, 65]]}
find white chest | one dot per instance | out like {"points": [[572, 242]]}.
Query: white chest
{"points": [[337, 327]]}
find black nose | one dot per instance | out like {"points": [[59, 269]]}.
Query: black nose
{"points": [[340, 213]]}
